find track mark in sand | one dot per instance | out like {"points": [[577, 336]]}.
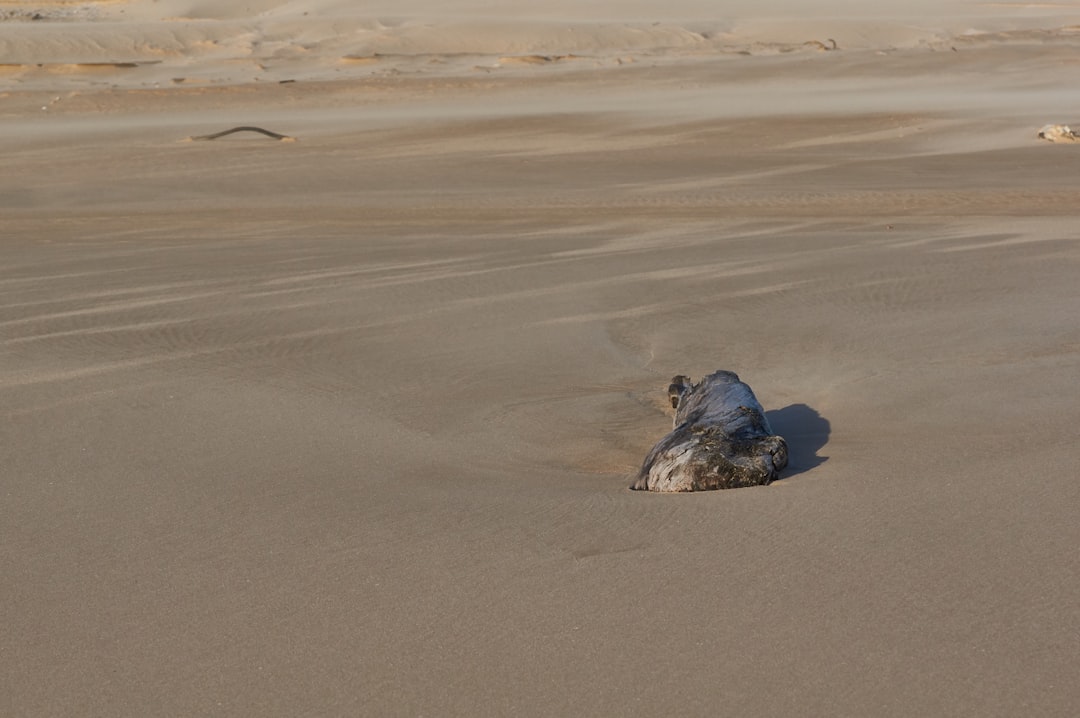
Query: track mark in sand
{"points": [[68, 275], [1019, 242], [1032, 357], [90, 331], [715, 270], [591, 553], [109, 294], [934, 242], [1011, 241], [631, 313], [28, 378], [86, 395], [558, 424], [168, 336], [111, 308], [766, 292], [36, 376], [403, 269], [841, 202], [304, 289]]}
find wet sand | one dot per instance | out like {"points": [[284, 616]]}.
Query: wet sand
{"points": [[345, 426]]}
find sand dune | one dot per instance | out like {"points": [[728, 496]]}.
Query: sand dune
{"points": [[345, 425], [306, 38]]}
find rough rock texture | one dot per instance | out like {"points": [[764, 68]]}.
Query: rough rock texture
{"points": [[721, 439]]}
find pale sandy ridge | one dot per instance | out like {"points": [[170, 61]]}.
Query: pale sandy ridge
{"points": [[229, 43], [344, 426]]}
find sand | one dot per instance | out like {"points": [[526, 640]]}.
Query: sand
{"points": [[344, 426]]}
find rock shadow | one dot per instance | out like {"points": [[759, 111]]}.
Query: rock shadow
{"points": [[805, 431]]}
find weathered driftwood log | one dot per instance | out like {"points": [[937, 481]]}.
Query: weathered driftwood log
{"points": [[721, 439], [1059, 133]]}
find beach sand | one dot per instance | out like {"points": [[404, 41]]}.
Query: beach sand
{"points": [[345, 425]]}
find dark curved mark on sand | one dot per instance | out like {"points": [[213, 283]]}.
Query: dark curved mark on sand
{"points": [[245, 128]]}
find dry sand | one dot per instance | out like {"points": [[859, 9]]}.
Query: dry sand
{"points": [[344, 426]]}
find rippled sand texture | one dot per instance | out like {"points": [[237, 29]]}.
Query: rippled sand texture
{"points": [[345, 426]]}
